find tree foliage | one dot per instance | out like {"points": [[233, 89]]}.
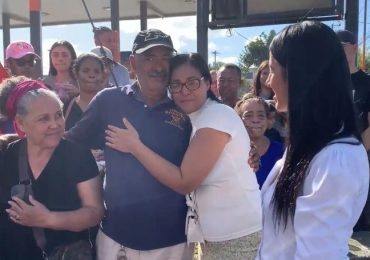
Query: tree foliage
{"points": [[216, 66], [256, 51], [367, 60]]}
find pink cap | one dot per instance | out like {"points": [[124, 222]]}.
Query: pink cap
{"points": [[17, 50]]}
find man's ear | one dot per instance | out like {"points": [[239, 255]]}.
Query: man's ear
{"points": [[133, 62]]}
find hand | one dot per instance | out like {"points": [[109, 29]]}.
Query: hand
{"points": [[123, 140], [34, 214], [98, 154], [66, 90], [254, 159]]}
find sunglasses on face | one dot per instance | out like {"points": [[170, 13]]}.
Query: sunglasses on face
{"points": [[24, 62]]}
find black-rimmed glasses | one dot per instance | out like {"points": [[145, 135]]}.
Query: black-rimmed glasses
{"points": [[191, 84]]}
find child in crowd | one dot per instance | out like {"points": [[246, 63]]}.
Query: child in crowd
{"points": [[255, 114]]}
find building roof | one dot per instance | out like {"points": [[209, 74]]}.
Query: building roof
{"points": [[72, 11]]}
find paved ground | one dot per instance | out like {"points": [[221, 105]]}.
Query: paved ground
{"points": [[359, 246]]}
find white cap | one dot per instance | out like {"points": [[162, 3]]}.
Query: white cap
{"points": [[99, 52]]}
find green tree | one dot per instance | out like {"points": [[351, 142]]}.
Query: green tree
{"points": [[216, 66], [256, 51], [367, 59]]}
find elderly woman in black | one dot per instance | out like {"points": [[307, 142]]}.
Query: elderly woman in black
{"points": [[66, 198]]}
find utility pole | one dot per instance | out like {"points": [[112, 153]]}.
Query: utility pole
{"points": [[363, 65], [215, 53]]}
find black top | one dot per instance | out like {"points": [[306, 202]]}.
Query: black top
{"points": [[56, 188], [361, 87], [74, 115]]}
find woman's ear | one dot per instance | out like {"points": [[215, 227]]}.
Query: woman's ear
{"points": [[20, 122]]}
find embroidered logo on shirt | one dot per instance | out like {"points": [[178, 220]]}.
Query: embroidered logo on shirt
{"points": [[177, 119]]}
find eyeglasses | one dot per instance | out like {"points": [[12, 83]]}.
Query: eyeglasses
{"points": [[23, 62], [191, 84]]}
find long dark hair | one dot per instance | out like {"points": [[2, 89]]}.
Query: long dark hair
{"points": [[320, 104], [197, 62], [256, 86], [69, 46]]}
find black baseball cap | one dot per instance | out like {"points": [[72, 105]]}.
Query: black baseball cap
{"points": [[151, 38], [346, 37]]}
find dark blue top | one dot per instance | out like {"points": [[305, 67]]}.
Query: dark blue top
{"points": [[268, 160], [142, 213], [6, 126]]}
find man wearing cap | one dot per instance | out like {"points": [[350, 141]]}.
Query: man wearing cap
{"points": [[106, 55], [361, 96], [103, 36], [20, 59], [145, 219]]}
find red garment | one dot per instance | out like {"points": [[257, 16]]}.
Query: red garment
{"points": [[3, 73], [19, 90]]}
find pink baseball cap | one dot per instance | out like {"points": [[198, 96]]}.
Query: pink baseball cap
{"points": [[17, 50]]}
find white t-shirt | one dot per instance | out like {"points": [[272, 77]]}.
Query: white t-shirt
{"points": [[228, 200], [334, 194]]}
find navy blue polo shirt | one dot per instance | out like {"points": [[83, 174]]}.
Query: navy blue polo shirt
{"points": [[142, 213]]}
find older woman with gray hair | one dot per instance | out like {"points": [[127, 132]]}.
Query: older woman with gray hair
{"points": [[63, 198]]}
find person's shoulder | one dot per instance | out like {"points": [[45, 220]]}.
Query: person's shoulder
{"points": [[14, 145], [343, 162], [213, 105], [119, 66], [342, 151], [360, 75], [170, 107], [222, 112], [114, 91], [49, 81], [72, 148]]}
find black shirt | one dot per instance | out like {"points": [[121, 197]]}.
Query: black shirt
{"points": [[56, 188], [75, 114], [361, 87]]}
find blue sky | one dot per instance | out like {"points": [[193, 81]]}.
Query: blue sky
{"points": [[182, 30]]}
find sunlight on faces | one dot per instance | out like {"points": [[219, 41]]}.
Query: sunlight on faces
{"points": [[228, 83], [61, 58], [107, 40], [255, 119], [44, 122], [152, 68], [189, 100], [90, 76], [278, 83]]}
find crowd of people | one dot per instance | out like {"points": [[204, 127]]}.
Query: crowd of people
{"points": [[185, 162]]}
